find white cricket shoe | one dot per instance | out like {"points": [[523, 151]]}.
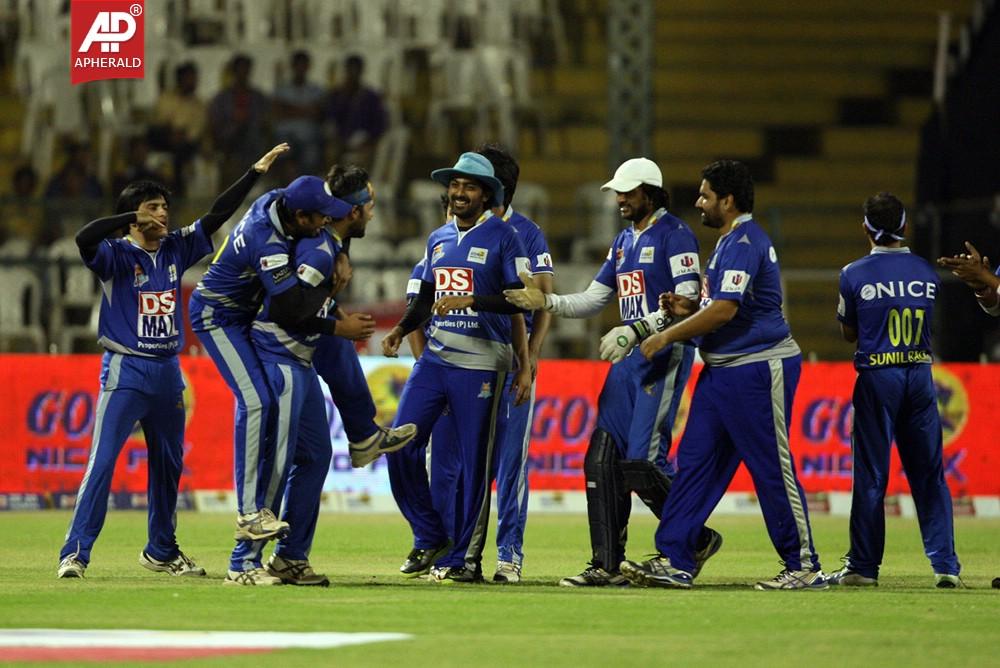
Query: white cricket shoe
{"points": [[71, 567], [382, 441], [255, 577], [179, 566], [260, 525], [295, 572]]}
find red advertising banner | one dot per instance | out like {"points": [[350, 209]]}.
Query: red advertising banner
{"points": [[47, 418]]}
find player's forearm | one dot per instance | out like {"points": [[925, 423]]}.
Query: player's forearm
{"points": [[295, 309], [705, 321], [519, 337], [580, 304], [417, 342], [418, 310], [225, 205], [96, 231], [989, 297], [494, 304]]}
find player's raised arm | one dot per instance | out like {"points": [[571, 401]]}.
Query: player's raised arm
{"points": [[225, 205]]}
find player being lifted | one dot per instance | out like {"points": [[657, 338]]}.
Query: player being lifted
{"points": [[886, 305], [657, 253], [141, 329]]}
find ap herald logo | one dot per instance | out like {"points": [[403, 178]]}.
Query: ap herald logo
{"points": [[632, 295], [107, 40]]}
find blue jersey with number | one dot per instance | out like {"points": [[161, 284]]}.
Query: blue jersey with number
{"points": [[314, 262], [141, 310], [888, 298], [254, 260], [641, 265], [744, 268], [480, 261], [539, 258]]}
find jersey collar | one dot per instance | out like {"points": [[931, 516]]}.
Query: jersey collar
{"points": [[507, 214], [272, 213], [653, 219], [879, 250], [740, 219]]}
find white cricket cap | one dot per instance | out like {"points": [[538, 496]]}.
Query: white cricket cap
{"points": [[634, 172]]}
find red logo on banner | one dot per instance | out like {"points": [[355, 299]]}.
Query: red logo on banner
{"points": [[107, 40]]}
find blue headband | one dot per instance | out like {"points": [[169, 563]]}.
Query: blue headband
{"points": [[895, 234], [360, 197]]}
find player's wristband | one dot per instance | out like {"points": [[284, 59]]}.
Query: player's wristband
{"points": [[641, 329]]}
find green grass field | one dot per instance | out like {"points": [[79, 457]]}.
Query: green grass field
{"points": [[722, 621]]}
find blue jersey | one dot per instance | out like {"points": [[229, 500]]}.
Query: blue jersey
{"points": [[480, 261], [254, 260], [744, 268], [141, 310], [539, 258], [641, 265], [888, 298], [314, 258]]}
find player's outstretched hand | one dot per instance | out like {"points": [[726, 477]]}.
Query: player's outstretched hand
{"points": [[390, 344], [446, 305], [618, 343], [530, 298], [654, 344], [970, 267], [521, 385], [676, 305], [265, 162], [356, 326]]}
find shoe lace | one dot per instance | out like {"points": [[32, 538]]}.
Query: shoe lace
{"points": [[184, 560], [267, 514]]}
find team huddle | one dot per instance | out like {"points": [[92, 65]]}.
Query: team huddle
{"points": [[479, 306]]}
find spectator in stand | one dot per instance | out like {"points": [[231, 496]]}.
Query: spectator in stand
{"points": [[178, 124], [73, 195], [135, 166], [298, 110], [21, 211], [237, 118], [358, 115]]}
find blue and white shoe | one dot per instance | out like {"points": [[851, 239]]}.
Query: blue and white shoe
{"points": [[789, 579], [381, 442], [656, 572]]}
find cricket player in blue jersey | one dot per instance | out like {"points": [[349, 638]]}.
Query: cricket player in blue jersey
{"points": [[742, 403], [424, 476], [886, 307], [974, 270], [141, 329], [470, 261], [636, 409], [257, 259]]}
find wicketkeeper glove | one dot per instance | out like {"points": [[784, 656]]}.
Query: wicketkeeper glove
{"points": [[618, 343]]}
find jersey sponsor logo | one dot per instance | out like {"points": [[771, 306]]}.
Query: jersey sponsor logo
{"points": [[632, 295], [684, 264], [892, 289], [156, 315], [485, 391], [454, 282], [646, 255], [734, 281], [279, 275], [772, 255], [619, 258], [522, 265], [413, 287], [437, 253], [172, 273], [310, 275], [543, 260], [272, 262], [477, 255], [140, 277]]}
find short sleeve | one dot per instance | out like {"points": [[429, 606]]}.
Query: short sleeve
{"points": [[416, 276], [847, 312], [538, 250], [314, 265], [514, 257], [736, 267], [103, 262], [606, 274], [273, 265], [193, 243]]}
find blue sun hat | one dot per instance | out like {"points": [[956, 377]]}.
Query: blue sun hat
{"points": [[311, 193], [473, 166]]}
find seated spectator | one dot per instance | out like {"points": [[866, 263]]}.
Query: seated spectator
{"points": [[237, 118], [73, 195], [297, 114], [358, 115], [135, 166], [21, 211], [178, 123]]}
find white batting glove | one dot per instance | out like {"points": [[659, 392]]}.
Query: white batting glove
{"points": [[618, 343]]}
